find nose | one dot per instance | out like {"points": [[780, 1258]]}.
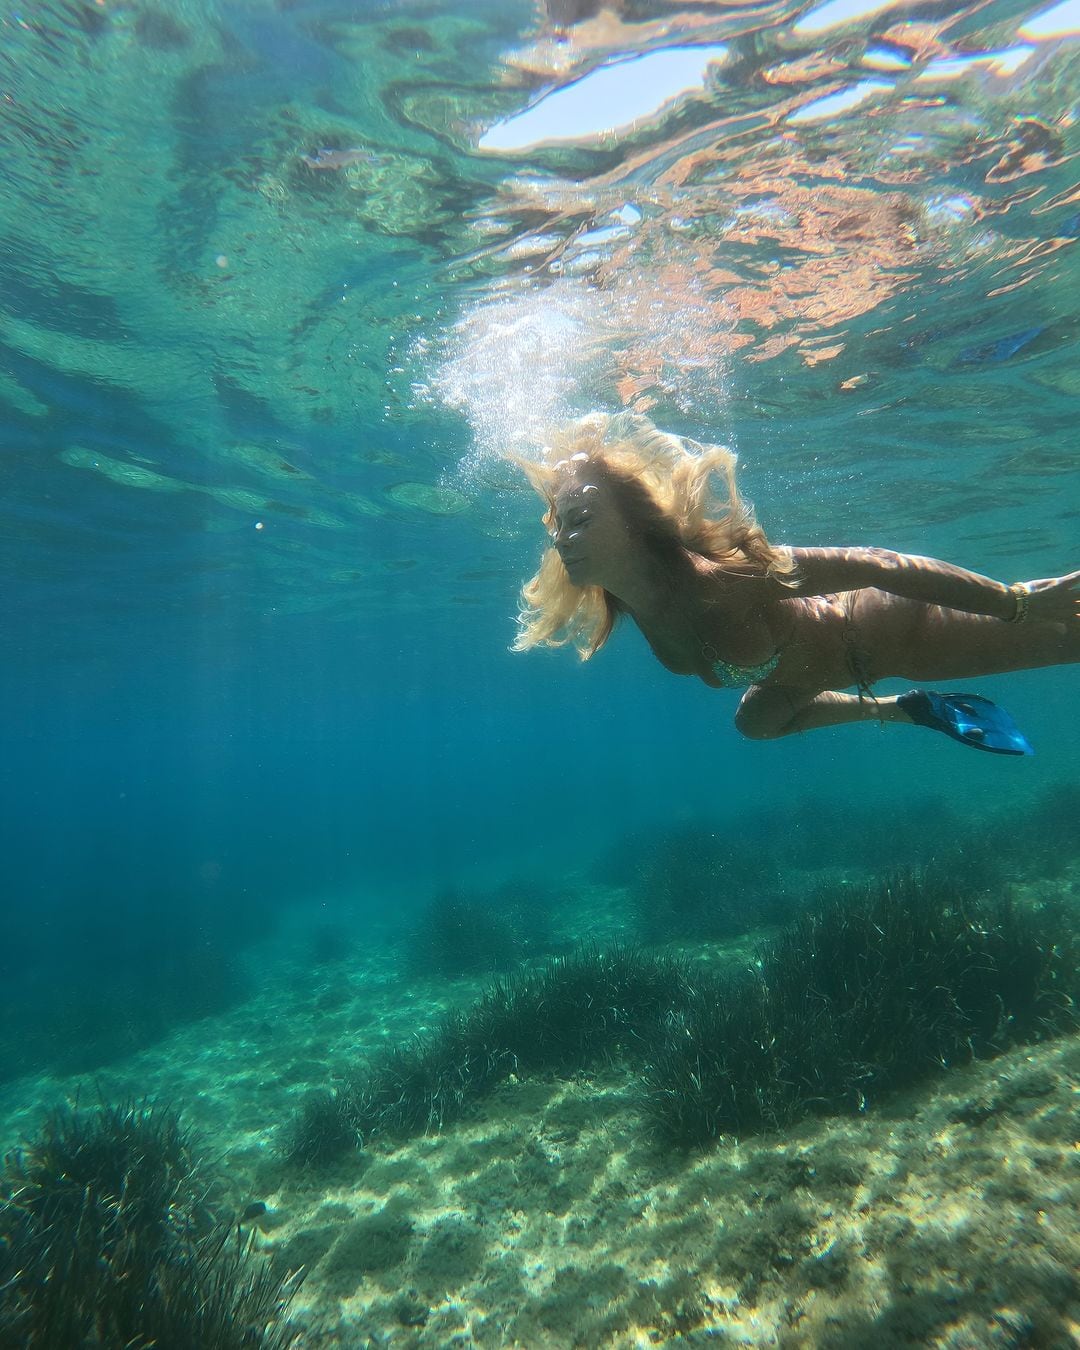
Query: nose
{"points": [[564, 537]]}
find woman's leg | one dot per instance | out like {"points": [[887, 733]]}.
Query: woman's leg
{"points": [[768, 711], [891, 637], [947, 644]]}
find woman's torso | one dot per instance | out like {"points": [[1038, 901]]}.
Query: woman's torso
{"points": [[743, 625]]}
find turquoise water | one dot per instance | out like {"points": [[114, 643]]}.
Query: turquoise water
{"points": [[272, 319]]}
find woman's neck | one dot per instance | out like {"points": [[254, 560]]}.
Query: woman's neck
{"points": [[662, 597]]}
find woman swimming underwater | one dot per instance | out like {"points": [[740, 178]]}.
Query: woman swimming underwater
{"points": [[636, 530]]}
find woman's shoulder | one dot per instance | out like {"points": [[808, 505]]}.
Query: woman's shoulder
{"points": [[738, 581]]}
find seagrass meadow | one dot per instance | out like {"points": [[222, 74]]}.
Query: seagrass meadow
{"points": [[367, 980], [803, 1133]]}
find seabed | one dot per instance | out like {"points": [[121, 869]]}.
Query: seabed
{"points": [[549, 1217]]}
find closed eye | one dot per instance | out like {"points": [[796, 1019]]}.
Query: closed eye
{"points": [[577, 524]]}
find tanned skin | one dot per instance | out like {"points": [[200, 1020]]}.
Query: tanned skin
{"points": [[855, 616]]}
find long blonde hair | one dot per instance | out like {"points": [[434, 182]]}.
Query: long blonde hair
{"points": [[662, 486]]}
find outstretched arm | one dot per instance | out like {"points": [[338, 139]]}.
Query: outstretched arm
{"points": [[824, 571]]}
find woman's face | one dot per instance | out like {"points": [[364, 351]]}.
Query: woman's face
{"points": [[590, 535]]}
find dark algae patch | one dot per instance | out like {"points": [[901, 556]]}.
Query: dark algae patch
{"points": [[572, 1013], [870, 989], [110, 1236], [865, 993]]}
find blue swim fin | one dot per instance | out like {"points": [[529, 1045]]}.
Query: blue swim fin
{"points": [[968, 718]]}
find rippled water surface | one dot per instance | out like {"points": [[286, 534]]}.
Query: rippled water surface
{"points": [[274, 298]]}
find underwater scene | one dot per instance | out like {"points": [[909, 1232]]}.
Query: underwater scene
{"points": [[375, 972]]}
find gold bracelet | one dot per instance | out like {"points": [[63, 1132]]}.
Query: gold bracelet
{"points": [[1023, 599]]}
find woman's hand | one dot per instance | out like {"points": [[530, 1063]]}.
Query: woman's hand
{"points": [[1054, 600]]}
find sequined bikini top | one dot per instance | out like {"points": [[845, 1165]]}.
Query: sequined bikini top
{"points": [[741, 677]]}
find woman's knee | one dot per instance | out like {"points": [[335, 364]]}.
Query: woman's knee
{"points": [[760, 718]]}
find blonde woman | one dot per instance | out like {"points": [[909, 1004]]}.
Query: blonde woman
{"points": [[636, 529]]}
